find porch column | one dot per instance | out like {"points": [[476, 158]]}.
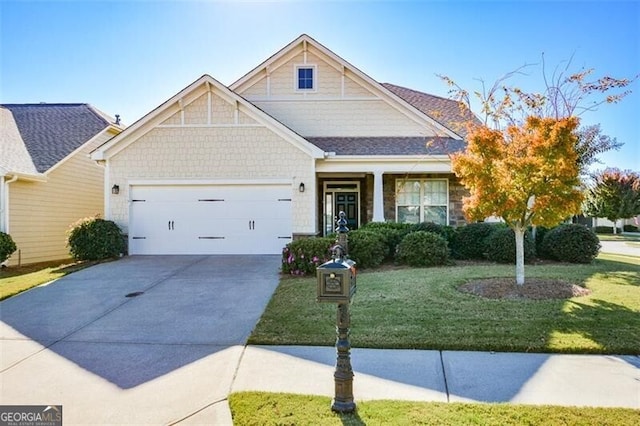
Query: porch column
{"points": [[378, 197]]}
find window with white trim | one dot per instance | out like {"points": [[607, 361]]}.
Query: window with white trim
{"points": [[422, 200], [305, 77]]}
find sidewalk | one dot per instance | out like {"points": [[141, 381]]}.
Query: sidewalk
{"points": [[442, 376]]}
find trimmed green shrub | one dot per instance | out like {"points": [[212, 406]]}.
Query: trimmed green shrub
{"points": [[423, 248], [445, 231], [302, 257], [572, 243], [606, 230], [541, 231], [367, 248], [501, 246], [95, 239], [392, 233], [7, 246], [630, 228], [469, 241]]}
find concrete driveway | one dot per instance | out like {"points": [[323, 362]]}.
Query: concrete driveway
{"points": [[154, 358]]}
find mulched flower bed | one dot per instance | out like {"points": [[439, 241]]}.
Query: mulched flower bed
{"points": [[533, 288]]}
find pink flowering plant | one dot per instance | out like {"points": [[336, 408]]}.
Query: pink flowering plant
{"points": [[302, 257]]}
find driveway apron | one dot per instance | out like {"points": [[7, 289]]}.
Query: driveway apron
{"points": [[144, 340]]}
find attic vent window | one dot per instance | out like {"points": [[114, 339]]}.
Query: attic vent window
{"points": [[305, 77]]}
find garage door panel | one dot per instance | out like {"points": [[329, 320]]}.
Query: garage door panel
{"points": [[229, 219]]}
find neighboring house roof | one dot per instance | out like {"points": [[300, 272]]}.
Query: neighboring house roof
{"points": [[446, 111], [14, 157], [51, 132], [388, 145]]}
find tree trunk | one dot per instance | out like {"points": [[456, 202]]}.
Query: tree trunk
{"points": [[519, 231], [615, 230]]}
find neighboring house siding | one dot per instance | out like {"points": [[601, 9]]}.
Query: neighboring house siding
{"points": [[242, 151], [339, 106], [41, 212]]}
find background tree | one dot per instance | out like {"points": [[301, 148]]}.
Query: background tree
{"points": [[523, 162], [615, 195]]}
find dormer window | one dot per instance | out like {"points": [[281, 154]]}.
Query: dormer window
{"points": [[305, 77]]}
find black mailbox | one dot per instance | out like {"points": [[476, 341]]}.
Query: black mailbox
{"points": [[336, 281]]}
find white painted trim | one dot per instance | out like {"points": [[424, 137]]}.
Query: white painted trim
{"points": [[3, 211], [7, 228], [107, 191], [325, 189], [314, 80], [197, 182], [378, 196], [187, 126], [318, 98], [385, 164], [422, 180]]}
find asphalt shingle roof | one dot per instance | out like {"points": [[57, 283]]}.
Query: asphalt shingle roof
{"points": [[52, 131], [445, 111], [388, 145]]}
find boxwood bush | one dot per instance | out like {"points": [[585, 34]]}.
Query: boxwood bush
{"points": [[607, 230], [470, 240], [501, 246], [95, 239], [446, 232], [367, 248], [541, 231], [7, 246], [572, 242], [302, 257], [630, 228], [392, 233], [422, 248]]}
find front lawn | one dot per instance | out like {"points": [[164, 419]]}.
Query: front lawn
{"points": [[422, 309], [16, 279], [259, 408]]}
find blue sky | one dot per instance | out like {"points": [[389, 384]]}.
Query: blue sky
{"points": [[127, 57]]}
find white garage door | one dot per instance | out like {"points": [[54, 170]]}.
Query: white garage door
{"points": [[215, 219]]}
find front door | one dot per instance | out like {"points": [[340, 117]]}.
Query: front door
{"points": [[348, 202], [341, 197]]}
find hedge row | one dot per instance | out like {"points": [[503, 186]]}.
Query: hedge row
{"points": [[429, 244]]}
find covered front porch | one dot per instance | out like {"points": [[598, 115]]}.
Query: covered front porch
{"points": [[390, 191]]}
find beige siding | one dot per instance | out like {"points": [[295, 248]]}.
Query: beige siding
{"points": [[343, 118], [40, 212], [341, 105], [242, 150]]}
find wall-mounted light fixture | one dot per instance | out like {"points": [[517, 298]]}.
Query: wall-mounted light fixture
{"points": [[301, 187], [115, 189]]}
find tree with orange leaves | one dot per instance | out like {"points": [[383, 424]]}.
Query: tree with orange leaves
{"points": [[523, 162], [526, 175]]}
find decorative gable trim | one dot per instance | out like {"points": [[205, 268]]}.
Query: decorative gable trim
{"points": [[177, 103], [304, 44]]}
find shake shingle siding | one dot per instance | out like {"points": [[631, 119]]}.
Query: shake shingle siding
{"points": [[53, 131]]}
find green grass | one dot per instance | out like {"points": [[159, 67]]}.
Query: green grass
{"points": [[16, 279], [422, 309], [260, 408]]}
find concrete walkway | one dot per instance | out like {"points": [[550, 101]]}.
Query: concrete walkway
{"points": [[621, 247]]}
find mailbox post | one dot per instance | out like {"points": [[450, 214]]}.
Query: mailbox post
{"points": [[337, 284]]}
